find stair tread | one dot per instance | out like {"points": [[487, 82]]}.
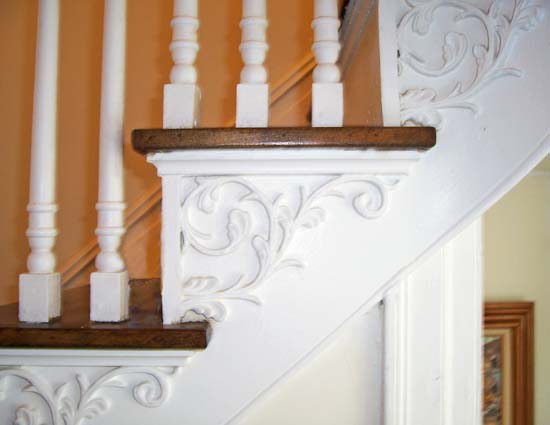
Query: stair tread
{"points": [[379, 138], [143, 330]]}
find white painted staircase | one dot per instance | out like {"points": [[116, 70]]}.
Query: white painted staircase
{"points": [[476, 71]]}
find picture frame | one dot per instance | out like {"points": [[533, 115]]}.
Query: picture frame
{"points": [[508, 360]]}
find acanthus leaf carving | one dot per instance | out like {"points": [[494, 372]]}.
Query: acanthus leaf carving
{"points": [[76, 402], [483, 60], [222, 215], [26, 415]]}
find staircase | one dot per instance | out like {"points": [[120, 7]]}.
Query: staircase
{"points": [[278, 242]]}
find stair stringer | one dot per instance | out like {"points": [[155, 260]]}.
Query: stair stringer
{"points": [[478, 158]]}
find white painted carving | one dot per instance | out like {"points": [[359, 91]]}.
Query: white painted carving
{"points": [[224, 214], [74, 402], [475, 45], [26, 415]]}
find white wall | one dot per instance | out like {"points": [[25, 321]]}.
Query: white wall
{"points": [[517, 266], [342, 385]]}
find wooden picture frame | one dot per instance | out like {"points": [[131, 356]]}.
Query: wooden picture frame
{"points": [[508, 363]]}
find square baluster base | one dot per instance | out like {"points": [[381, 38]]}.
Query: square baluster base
{"points": [[327, 105], [109, 295], [181, 106], [39, 297], [252, 105]]}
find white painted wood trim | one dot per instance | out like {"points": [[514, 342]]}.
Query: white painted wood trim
{"points": [[447, 290], [39, 289], [94, 358], [284, 161], [253, 90], [327, 97], [395, 354], [109, 284], [181, 99]]}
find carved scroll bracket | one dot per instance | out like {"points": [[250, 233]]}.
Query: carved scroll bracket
{"points": [[475, 46], [234, 235], [83, 398]]}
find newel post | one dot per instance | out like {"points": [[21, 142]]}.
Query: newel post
{"points": [[182, 96], [39, 289], [253, 90], [327, 90], [109, 284]]}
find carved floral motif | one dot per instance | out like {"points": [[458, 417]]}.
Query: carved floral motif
{"points": [[75, 402], [224, 214], [479, 61]]}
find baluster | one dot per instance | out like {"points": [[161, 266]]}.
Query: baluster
{"points": [[39, 289], [253, 90], [109, 284], [182, 96], [327, 90]]}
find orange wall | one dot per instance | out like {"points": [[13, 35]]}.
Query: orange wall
{"points": [[148, 67]]}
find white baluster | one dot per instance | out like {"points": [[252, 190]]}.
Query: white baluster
{"points": [[327, 91], [109, 285], [253, 90], [182, 96], [39, 289]]}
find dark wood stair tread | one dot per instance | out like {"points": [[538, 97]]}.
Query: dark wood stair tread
{"points": [[360, 138], [143, 330]]}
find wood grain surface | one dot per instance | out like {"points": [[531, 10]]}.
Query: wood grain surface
{"points": [[143, 330], [361, 138]]}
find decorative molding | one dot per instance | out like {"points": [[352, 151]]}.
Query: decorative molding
{"points": [[95, 358], [439, 302], [83, 399], [260, 224], [468, 64]]}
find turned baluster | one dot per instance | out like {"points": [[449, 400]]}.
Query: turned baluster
{"points": [[39, 289], [109, 284], [182, 95], [327, 90], [253, 90]]}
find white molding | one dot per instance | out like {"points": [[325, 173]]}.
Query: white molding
{"points": [[479, 62], [395, 354], [443, 313], [90, 357], [85, 397], [218, 211], [283, 161], [276, 228]]}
